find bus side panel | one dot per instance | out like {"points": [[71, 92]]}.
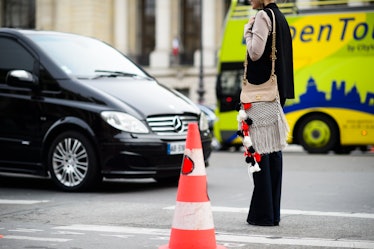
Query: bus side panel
{"points": [[356, 128], [333, 62], [225, 129]]}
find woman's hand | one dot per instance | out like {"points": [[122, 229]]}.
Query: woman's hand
{"points": [[251, 20], [248, 26]]}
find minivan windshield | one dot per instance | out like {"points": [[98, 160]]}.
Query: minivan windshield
{"points": [[85, 57]]}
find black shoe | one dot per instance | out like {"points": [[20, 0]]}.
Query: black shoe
{"points": [[262, 224]]}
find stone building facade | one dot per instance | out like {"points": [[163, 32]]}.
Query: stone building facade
{"points": [[144, 28]]}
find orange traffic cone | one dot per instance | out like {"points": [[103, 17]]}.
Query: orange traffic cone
{"points": [[193, 219]]}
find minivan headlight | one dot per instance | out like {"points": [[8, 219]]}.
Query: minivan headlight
{"points": [[124, 122], [203, 122]]}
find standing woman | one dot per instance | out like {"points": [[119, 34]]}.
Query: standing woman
{"points": [[265, 204]]}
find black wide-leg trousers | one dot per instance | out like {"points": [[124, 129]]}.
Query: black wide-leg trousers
{"points": [[264, 209]]}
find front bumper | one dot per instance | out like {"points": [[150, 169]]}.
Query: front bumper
{"points": [[145, 156]]}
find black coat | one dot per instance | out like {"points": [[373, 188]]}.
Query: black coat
{"points": [[259, 71]]}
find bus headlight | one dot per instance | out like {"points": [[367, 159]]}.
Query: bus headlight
{"points": [[124, 122]]}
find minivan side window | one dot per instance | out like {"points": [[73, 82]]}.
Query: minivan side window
{"points": [[13, 56]]}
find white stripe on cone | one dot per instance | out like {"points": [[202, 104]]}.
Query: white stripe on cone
{"points": [[197, 157], [193, 216]]}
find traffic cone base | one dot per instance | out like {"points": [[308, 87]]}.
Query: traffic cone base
{"points": [[167, 247], [199, 237]]}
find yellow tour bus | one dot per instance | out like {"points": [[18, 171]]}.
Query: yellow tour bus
{"points": [[333, 46]]}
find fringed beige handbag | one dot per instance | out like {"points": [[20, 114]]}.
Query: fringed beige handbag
{"points": [[268, 128]]}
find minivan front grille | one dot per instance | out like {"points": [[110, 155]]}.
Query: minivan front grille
{"points": [[170, 125]]}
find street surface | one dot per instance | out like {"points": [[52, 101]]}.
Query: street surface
{"points": [[327, 202]]}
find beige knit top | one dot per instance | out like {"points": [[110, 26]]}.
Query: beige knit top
{"points": [[256, 32]]}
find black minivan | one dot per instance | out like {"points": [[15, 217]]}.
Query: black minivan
{"points": [[77, 110]]}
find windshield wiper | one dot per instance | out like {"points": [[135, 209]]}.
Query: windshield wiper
{"points": [[109, 73]]}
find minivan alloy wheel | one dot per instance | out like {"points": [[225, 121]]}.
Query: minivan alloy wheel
{"points": [[72, 162]]}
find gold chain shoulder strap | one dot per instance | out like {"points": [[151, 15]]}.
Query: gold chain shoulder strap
{"points": [[273, 51]]}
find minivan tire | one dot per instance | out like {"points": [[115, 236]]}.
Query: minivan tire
{"points": [[72, 162]]}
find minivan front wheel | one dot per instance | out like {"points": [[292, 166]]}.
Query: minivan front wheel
{"points": [[72, 162]]}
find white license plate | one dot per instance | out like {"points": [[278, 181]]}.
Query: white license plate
{"points": [[176, 148]]}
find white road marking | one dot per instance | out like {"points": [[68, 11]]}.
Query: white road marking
{"points": [[67, 233], [114, 229], [335, 214], [34, 238], [292, 212], [22, 202], [244, 238], [118, 236], [25, 230], [320, 242]]}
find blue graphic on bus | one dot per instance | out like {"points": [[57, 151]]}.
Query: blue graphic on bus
{"points": [[339, 98]]}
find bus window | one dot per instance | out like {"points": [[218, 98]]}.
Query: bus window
{"points": [[230, 82], [228, 89]]}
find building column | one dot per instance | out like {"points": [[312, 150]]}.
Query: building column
{"points": [[63, 16], [160, 57], [45, 14], [121, 25], [208, 35]]}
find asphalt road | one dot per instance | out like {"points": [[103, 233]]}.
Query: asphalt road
{"points": [[327, 202]]}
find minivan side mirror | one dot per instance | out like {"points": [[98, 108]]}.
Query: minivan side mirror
{"points": [[21, 78]]}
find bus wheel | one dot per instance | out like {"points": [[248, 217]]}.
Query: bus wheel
{"points": [[317, 134]]}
